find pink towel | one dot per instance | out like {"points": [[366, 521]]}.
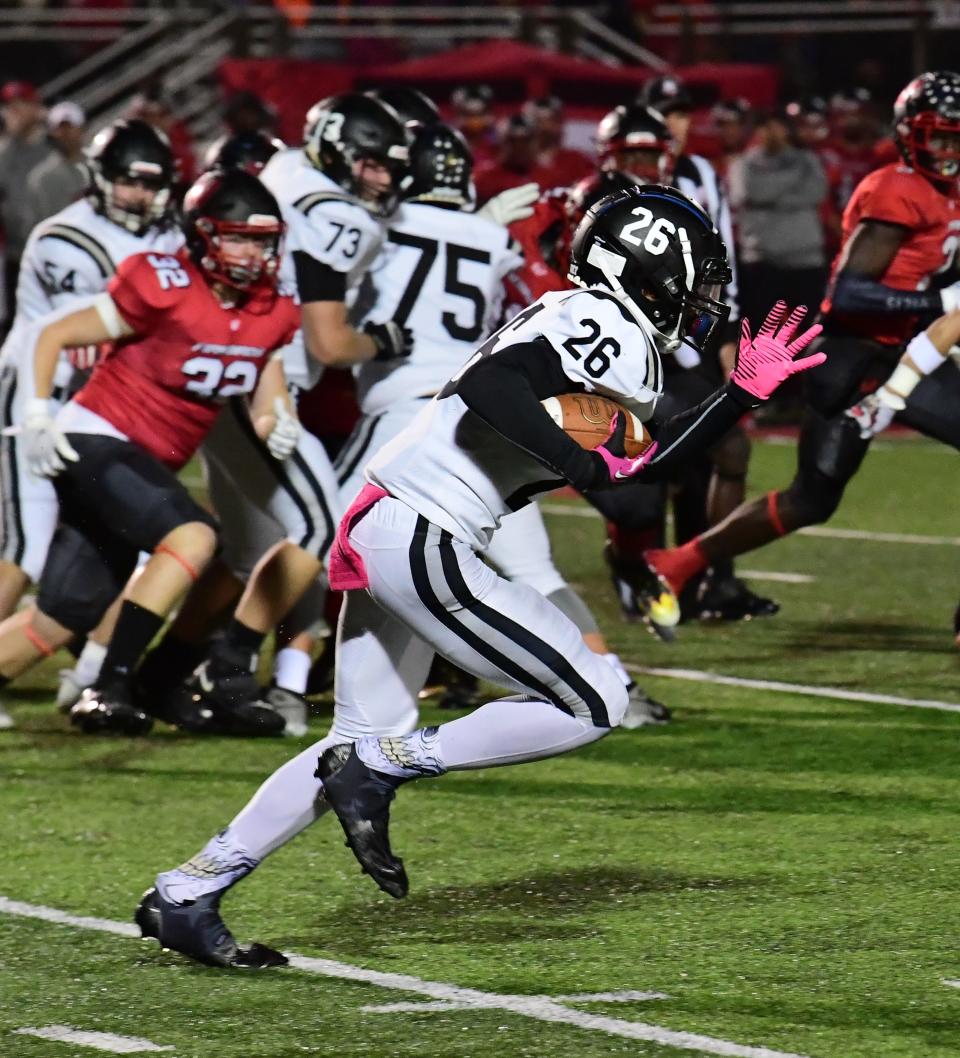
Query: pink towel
{"points": [[345, 569]]}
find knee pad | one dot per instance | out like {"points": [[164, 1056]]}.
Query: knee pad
{"points": [[811, 499], [77, 586]]}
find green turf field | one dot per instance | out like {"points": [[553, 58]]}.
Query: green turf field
{"points": [[781, 869]]}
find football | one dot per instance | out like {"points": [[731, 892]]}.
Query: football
{"points": [[586, 418]]}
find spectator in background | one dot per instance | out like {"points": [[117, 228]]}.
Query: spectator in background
{"points": [[61, 178], [473, 116], [247, 112], [516, 161], [850, 151], [782, 251], [732, 118], [23, 146], [566, 165]]}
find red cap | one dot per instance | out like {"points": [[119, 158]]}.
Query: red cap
{"points": [[14, 90]]}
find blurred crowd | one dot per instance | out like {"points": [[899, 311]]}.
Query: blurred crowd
{"points": [[787, 172]]}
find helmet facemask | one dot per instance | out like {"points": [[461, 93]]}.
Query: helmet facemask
{"points": [[931, 144], [250, 274], [138, 221]]}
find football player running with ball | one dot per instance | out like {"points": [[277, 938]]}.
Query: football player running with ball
{"points": [[192, 329], [650, 266]]}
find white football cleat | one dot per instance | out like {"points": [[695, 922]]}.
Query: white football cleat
{"points": [[6, 720], [69, 690]]}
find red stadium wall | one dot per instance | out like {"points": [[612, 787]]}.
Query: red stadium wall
{"points": [[515, 71]]}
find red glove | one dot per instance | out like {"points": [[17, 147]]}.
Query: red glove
{"points": [[766, 361]]}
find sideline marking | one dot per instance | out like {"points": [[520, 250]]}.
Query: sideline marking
{"points": [[579, 510], [810, 690], [101, 1041], [540, 1008]]}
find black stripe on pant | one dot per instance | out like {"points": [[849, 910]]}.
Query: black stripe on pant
{"points": [[354, 450], [14, 540], [506, 627], [239, 412], [331, 526]]}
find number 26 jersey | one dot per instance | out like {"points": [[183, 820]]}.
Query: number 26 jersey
{"points": [[163, 387], [459, 473]]}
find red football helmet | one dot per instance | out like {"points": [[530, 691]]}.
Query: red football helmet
{"points": [[227, 206], [927, 125]]}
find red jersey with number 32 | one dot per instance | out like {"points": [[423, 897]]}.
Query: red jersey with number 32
{"points": [[164, 387], [896, 194]]}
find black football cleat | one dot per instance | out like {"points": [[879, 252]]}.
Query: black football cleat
{"points": [[230, 702], [109, 711], [195, 929], [729, 599], [643, 594], [361, 798]]}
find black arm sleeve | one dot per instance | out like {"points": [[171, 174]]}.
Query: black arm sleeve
{"points": [[317, 281], [505, 390], [857, 293], [689, 432]]}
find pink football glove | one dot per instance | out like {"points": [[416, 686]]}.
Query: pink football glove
{"points": [[767, 360], [619, 467]]}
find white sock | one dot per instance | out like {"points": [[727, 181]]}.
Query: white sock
{"points": [[614, 662], [88, 664], [287, 803], [508, 731], [291, 667]]}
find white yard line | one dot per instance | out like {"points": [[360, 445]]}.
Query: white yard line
{"points": [[582, 510], [949, 983], [100, 1041], [585, 997], [780, 578], [539, 1008], [810, 690]]}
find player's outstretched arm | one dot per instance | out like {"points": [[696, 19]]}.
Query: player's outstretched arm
{"points": [[925, 353], [46, 448], [763, 363]]}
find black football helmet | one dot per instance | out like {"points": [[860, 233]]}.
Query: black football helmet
{"points": [[133, 151], [635, 139], [666, 94], [412, 105], [351, 129], [926, 123], [659, 254], [441, 167], [243, 150], [227, 202]]}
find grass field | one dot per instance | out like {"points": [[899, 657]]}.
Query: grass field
{"points": [[780, 868]]}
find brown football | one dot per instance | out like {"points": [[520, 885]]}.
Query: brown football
{"points": [[586, 418]]}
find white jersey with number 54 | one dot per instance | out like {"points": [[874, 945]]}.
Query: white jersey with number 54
{"points": [[462, 475]]}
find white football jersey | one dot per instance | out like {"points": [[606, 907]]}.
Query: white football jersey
{"points": [[440, 273], [459, 473], [331, 226], [69, 259]]}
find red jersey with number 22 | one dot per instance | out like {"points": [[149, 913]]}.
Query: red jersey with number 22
{"points": [[164, 387], [896, 194]]}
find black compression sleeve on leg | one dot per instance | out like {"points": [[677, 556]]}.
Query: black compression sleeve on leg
{"points": [[136, 626]]}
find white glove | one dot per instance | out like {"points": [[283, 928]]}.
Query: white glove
{"points": [[950, 296], [284, 437], [874, 413], [516, 203], [44, 445]]}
